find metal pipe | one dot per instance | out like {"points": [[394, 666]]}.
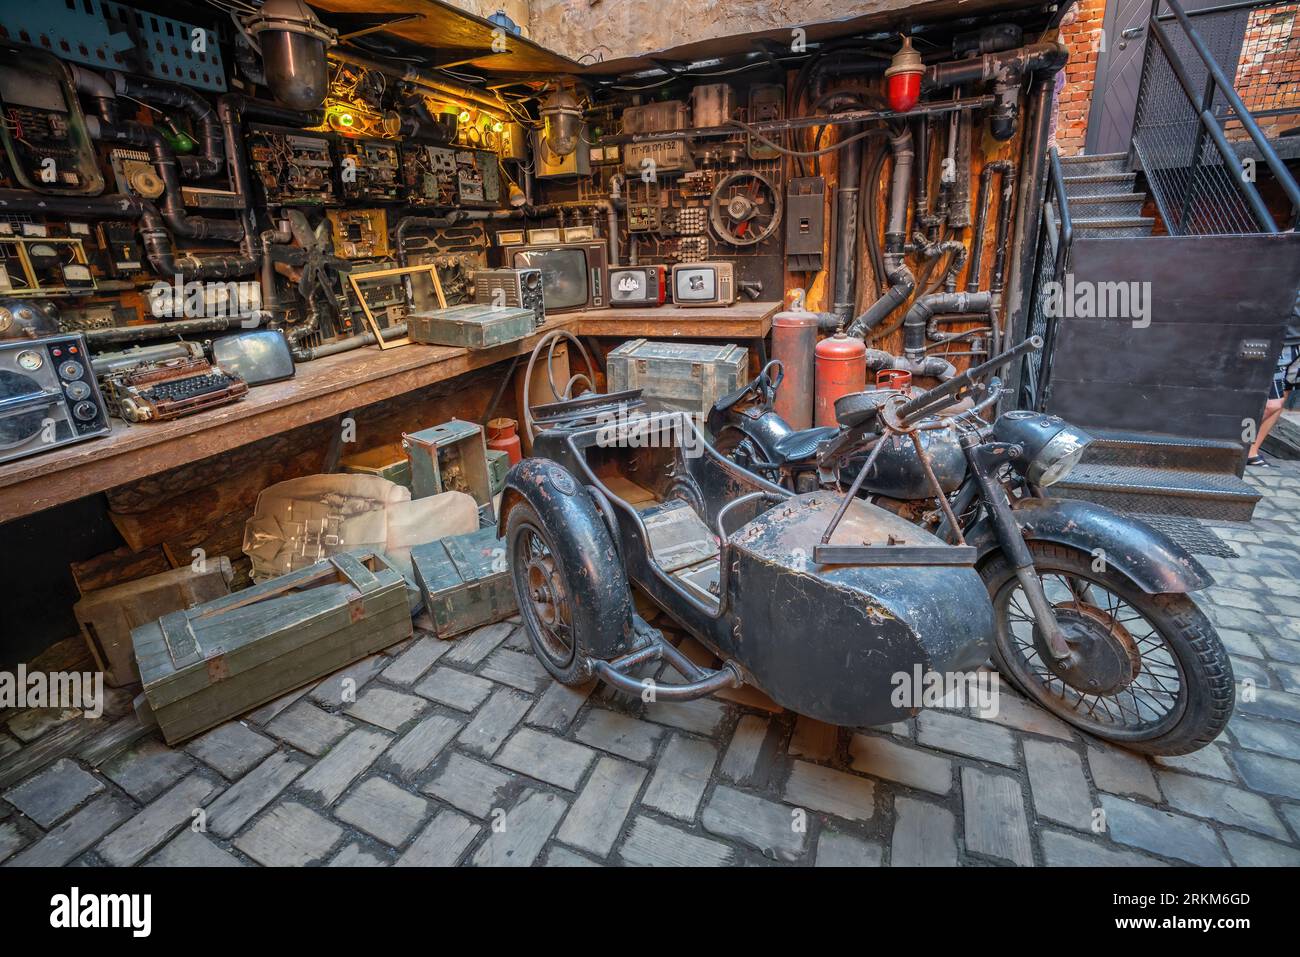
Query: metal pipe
{"points": [[846, 227], [1006, 169], [160, 154], [1006, 69], [206, 123], [728, 676], [902, 282], [117, 335], [924, 308], [1029, 219]]}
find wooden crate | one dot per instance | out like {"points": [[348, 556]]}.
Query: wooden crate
{"points": [[218, 660], [465, 581], [686, 376], [107, 617]]}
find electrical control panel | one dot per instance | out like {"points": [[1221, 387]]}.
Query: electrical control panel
{"points": [[359, 233], [293, 168], [369, 170], [43, 129], [446, 176]]}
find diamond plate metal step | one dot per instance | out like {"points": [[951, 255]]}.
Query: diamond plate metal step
{"points": [[1094, 183], [1156, 491], [1107, 206], [1113, 227], [1085, 164], [1156, 450]]}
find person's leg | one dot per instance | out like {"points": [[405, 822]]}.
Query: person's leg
{"points": [[1272, 412]]}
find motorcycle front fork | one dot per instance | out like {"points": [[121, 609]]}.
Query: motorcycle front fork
{"points": [[986, 459]]}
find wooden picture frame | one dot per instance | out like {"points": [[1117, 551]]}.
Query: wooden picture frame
{"points": [[371, 323]]}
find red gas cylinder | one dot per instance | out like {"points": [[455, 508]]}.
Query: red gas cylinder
{"points": [[503, 437], [841, 370], [794, 342]]}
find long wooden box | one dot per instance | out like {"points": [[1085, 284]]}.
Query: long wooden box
{"points": [[107, 617], [686, 376], [218, 660], [471, 325], [465, 581]]}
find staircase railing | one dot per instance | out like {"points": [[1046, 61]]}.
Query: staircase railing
{"points": [[1200, 183], [1052, 261]]}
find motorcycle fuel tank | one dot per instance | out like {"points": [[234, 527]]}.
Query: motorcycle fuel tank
{"points": [[831, 641], [898, 471]]}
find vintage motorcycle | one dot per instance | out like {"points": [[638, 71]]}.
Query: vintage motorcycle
{"points": [[1093, 617]]}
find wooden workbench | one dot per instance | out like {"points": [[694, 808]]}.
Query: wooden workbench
{"points": [[323, 389]]}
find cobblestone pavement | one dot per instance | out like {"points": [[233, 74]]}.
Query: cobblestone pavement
{"points": [[466, 752]]}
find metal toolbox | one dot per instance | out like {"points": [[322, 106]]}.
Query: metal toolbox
{"points": [[678, 375], [451, 457], [465, 581], [107, 617], [471, 325], [388, 462], [223, 658]]}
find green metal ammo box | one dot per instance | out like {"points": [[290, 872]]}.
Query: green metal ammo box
{"points": [[465, 581], [498, 466], [471, 325], [451, 457], [221, 659]]}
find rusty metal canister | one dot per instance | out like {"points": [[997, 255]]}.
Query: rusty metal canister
{"points": [[841, 370], [794, 342]]}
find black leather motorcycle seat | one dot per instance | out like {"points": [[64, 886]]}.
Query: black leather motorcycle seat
{"points": [[802, 444]]}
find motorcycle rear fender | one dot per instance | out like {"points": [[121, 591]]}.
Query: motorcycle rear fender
{"points": [[1147, 557], [594, 572]]}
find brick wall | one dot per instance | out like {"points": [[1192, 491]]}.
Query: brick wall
{"points": [[1268, 74], [1083, 37]]}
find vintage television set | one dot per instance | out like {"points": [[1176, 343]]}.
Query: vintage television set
{"points": [[637, 285], [574, 275], [703, 284]]}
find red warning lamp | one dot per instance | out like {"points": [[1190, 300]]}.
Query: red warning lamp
{"points": [[903, 78]]}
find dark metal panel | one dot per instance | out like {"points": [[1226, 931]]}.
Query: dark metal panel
{"points": [[1184, 373]]}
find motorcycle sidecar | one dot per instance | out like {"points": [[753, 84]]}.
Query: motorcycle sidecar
{"points": [[612, 501]]}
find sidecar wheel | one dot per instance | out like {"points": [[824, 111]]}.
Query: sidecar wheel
{"points": [[1152, 676], [547, 602]]}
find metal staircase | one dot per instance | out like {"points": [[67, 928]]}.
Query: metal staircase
{"points": [[1167, 396]]}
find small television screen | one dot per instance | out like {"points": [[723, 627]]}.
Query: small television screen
{"points": [[628, 285], [696, 285], [564, 275]]}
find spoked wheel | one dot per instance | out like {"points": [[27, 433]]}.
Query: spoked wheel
{"points": [[1149, 671], [544, 598]]}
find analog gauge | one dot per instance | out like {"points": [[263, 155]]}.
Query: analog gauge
{"points": [[71, 370], [77, 390], [31, 361]]}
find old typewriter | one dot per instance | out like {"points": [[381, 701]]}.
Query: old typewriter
{"points": [[157, 391]]}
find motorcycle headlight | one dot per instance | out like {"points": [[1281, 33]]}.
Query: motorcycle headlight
{"points": [[1052, 447]]}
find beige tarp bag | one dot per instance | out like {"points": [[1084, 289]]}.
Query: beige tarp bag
{"points": [[304, 520]]}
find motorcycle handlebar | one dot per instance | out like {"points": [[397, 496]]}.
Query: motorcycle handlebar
{"points": [[931, 400]]}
